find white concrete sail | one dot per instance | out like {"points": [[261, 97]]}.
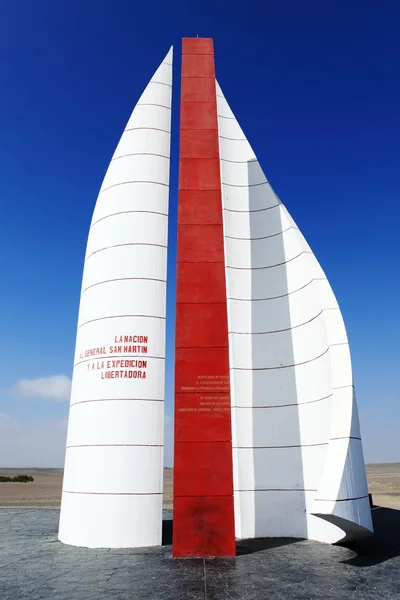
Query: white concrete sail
{"points": [[112, 491], [297, 453]]}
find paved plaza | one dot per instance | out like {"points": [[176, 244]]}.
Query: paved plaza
{"points": [[34, 565]]}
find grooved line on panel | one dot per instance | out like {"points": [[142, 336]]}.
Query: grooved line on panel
{"points": [[120, 317], [129, 182], [152, 104], [252, 211], [340, 499], [284, 405], [147, 128], [282, 295], [116, 446], [345, 437], [277, 330], [115, 493], [265, 237], [118, 400], [343, 387], [140, 154], [233, 139], [126, 212], [278, 447], [240, 162], [277, 490], [246, 185], [269, 266], [162, 83], [121, 245], [123, 279], [280, 367]]}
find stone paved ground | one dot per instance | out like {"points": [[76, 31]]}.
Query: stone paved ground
{"points": [[35, 566]]}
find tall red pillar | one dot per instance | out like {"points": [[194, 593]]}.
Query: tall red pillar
{"points": [[203, 477]]}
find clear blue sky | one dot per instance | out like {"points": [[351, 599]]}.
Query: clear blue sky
{"points": [[315, 85]]}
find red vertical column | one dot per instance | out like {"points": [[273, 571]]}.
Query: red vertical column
{"points": [[203, 476]]}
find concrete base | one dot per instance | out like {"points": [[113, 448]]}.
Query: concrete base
{"points": [[35, 565]]}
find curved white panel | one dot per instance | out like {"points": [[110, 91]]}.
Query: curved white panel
{"points": [[112, 491], [153, 168], [269, 387], [294, 418], [156, 93], [137, 196], [236, 149], [293, 468], [148, 142], [125, 262], [120, 229], [258, 199], [345, 417], [273, 315], [113, 469], [149, 115], [274, 282], [124, 520], [255, 225], [262, 253], [116, 422], [243, 174], [283, 425], [281, 349], [342, 375], [123, 298]]}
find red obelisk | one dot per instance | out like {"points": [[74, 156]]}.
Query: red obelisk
{"points": [[203, 477]]}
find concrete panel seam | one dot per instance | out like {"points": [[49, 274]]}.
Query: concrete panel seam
{"points": [[129, 182], [140, 154], [122, 279], [122, 245], [120, 317], [126, 212], [117, 400], [269, 266]]}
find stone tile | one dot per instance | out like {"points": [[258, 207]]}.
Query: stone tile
{"points": [[36, 566]]}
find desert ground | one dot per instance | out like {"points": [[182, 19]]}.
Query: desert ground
{"points": [[45, 491]]}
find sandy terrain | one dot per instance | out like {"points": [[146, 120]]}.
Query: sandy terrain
{"points": [[384, 484], [45, 491]]}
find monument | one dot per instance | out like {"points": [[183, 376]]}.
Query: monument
{"points": [[267, 440]]}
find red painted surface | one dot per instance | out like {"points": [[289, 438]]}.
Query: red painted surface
{"points": [[203, 477]]}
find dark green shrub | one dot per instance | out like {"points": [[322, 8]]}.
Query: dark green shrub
{"points": [[16, 479]]}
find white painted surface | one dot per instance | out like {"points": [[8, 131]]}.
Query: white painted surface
{"points": [[297, 455], [97, 517], [112, 491]]}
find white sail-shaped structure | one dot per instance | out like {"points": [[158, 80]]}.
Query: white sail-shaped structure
{"points": [[297, 453], [112, 490]]}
